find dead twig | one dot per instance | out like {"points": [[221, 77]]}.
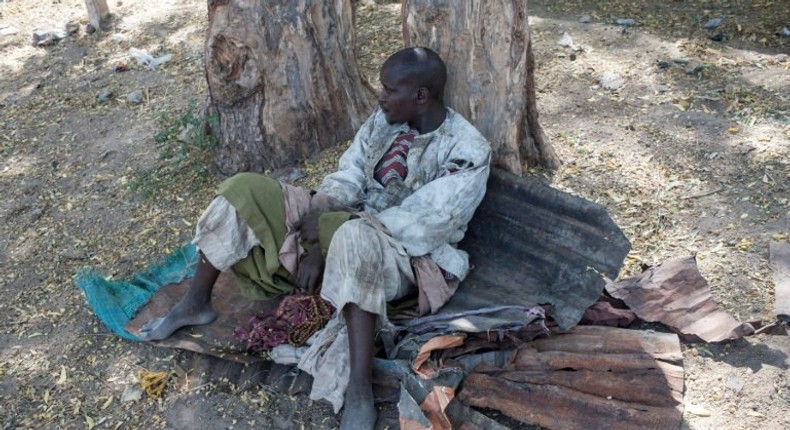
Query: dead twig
{"points": [[768, 326], [11, 323]]}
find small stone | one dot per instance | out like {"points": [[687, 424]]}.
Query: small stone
{"points": [[131, 394], [713, 23], [90, 29], [663, 65], [48, 38], [681, 61], [72, 27], [785, 32], [662, 88], [697, 410], [735, 384], [104, 96], [39, 35], [58, 34], [119, 37], [7, 30], [694, 67], [612, 81], [135, 97], [585, 19], [625, 22]]}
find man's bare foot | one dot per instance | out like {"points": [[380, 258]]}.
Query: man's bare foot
{"points": [[359, 412], [178, 316]]}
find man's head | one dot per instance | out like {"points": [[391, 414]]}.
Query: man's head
{"points": [[412, 82]]}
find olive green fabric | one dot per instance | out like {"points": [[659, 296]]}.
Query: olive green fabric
{"points": [[256, 282], [328, 223], [260, 202]]}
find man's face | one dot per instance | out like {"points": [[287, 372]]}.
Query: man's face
{"points": [[398, 98]]}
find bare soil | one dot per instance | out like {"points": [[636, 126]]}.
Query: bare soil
{"points": [[689, 155]]}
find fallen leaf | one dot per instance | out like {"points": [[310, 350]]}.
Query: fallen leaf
{"points": [[107, 403], [745, 244], [63, 377], [617, 198]]}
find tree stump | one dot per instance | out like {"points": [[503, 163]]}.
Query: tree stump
{"points": [[98, 14], [487, 48], [283, 80]]}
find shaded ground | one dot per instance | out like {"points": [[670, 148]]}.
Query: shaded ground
{"points": [[689, 155]]}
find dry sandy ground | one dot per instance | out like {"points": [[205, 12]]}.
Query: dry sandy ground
{"points": [[686, 163]]}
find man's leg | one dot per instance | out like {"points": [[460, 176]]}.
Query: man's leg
{"points": [[360, 411], [364, 269], [193, 309], [223, 235]]}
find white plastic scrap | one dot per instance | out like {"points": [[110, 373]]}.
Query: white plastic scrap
{"points": [[713, 23], [567, 41], [145, 59]]}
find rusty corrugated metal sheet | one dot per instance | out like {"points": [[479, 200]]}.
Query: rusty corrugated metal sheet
{"points": [[591, 378], [675, 294]]}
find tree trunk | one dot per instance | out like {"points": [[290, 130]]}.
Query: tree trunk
{"points": [[486, 45], [282, 79], [98, 14]]}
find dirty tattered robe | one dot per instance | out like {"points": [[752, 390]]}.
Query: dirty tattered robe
{"points": [[426, 214]]}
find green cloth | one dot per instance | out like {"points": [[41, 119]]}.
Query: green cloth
{"points": [[328, 223], [115, 302], [256, 282], [259, 200]]}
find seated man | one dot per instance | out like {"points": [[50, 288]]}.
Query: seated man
{"points": [[412, 179]]}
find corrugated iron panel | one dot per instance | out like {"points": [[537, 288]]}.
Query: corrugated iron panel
{"points": [[532, 244]]}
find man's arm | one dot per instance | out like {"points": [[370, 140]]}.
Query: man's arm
{"points": [[348, 183]]}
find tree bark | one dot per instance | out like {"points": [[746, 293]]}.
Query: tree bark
{"points": [[486, 45], [98, 14], [282, 79]]}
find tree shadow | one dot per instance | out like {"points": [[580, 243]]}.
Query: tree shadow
{"points": [[698, 149], [749, 353]]}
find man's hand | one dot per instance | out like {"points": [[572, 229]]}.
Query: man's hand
{"points": [[311, 269], [308, 227]]}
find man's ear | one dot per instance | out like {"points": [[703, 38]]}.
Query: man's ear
{"points": [[423, 95]]}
